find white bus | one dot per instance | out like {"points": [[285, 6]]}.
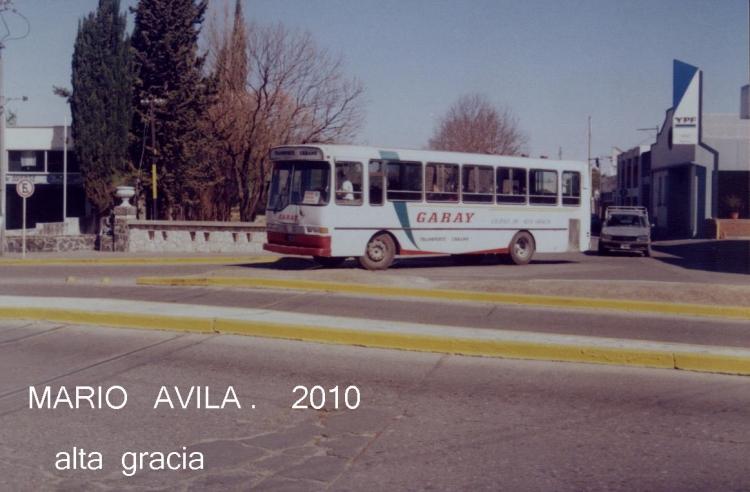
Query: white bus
{"points": [[333, 202]]}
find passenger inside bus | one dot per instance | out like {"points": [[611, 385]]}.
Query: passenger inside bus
{"points": [[345, 190]]}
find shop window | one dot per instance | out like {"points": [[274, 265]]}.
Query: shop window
{"points": [[26, 161]]}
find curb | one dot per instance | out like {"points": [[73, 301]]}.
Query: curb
{"points": [[129, 261], [704, 310], [422, 338]]}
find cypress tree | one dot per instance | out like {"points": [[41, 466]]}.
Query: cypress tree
{"points": [[168, 74], [101, 102]]}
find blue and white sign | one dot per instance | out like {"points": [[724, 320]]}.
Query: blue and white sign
{"points": [[686, 93]]}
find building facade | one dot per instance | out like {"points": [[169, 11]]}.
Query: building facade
{"points": [[41, 155], [698, 162], [634, 177]]}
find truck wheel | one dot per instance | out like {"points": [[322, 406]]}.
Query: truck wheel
{"points": [[601, 250], [647, 251], [379, 252], [521, 248]]}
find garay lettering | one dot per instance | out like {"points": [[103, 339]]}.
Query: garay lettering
{"points": [[445, 217]]}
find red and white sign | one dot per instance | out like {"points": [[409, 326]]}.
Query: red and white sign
{"points": [[25, 187]]}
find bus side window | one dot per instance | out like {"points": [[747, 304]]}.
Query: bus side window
{"points": [[348, 183], [442, 182], [543, 187], [376, 183], [511, 185], [478, 184], [404, 181], [571, 188]]}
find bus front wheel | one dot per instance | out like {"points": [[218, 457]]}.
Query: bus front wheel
{"points": [[379, 252], [521, 248]]}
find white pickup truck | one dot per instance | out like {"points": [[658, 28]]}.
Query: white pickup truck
{"points": [[626, 229]]}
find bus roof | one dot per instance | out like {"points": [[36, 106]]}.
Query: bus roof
{"points": [[344, 152]]}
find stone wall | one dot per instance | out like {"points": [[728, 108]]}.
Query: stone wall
{"points": [[195, 237], [50, 244]]}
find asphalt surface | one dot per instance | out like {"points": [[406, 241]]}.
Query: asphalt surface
{"points": [[732, 359]]}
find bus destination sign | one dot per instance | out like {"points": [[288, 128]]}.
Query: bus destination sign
{"points": [[296, 153]]}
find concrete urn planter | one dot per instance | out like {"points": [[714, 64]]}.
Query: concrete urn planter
{"points": [[125, 193]]}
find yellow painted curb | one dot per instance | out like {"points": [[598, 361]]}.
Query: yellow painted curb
{"points": [[620, 356], [738, 312], [461, 346], [134, 261], [712, 363], [122, 320]]}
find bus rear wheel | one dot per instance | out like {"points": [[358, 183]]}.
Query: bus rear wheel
{"points": [[379, 252], [521, 248], [329, 262]]}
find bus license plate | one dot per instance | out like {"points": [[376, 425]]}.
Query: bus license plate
{"points": [[291, 237], [624, 246]]}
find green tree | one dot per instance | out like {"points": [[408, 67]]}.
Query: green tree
{"points": [[100, 102], [169, 88]]}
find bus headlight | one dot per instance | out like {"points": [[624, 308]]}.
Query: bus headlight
{"points": [[317, 230], [643, 238]]}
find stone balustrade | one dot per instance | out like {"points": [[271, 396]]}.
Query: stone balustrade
{"points": [[194, 237]]}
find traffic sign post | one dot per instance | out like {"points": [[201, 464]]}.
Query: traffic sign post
{"points": [[24, 188]]}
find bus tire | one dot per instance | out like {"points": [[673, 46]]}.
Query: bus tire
{"points": [[379, 252], [329, 261], [521, 248]]}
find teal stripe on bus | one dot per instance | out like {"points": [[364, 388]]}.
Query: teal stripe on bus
{"points": [[403, 218], [388, 155]]}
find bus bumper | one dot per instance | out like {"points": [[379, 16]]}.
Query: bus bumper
{"points": [[298, 244]]}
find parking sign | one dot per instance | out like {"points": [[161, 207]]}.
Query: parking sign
{"points": [[25, 187]]}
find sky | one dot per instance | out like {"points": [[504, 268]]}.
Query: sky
{"points": [[554, 63]]}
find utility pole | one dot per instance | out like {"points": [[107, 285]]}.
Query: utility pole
{"points": [[5, 5], [3, 159]]}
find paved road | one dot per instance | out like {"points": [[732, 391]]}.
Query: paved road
{"points": [[424, 422]]}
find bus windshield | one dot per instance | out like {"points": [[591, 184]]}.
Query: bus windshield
{"points": [[298, 183]]}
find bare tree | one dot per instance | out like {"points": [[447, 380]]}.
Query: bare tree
{"points": [[293, 91], [473, 124]]}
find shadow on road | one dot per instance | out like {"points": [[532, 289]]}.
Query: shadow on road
{"points": [[301, 263], [725, 256]]}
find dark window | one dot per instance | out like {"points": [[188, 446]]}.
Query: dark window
{"points": [[542, 187], [349, 183], [26, 161], [571, 188], [478, 184], [56, 163], [442, 182], [404, 181], [511, 185], [376, 183]]}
